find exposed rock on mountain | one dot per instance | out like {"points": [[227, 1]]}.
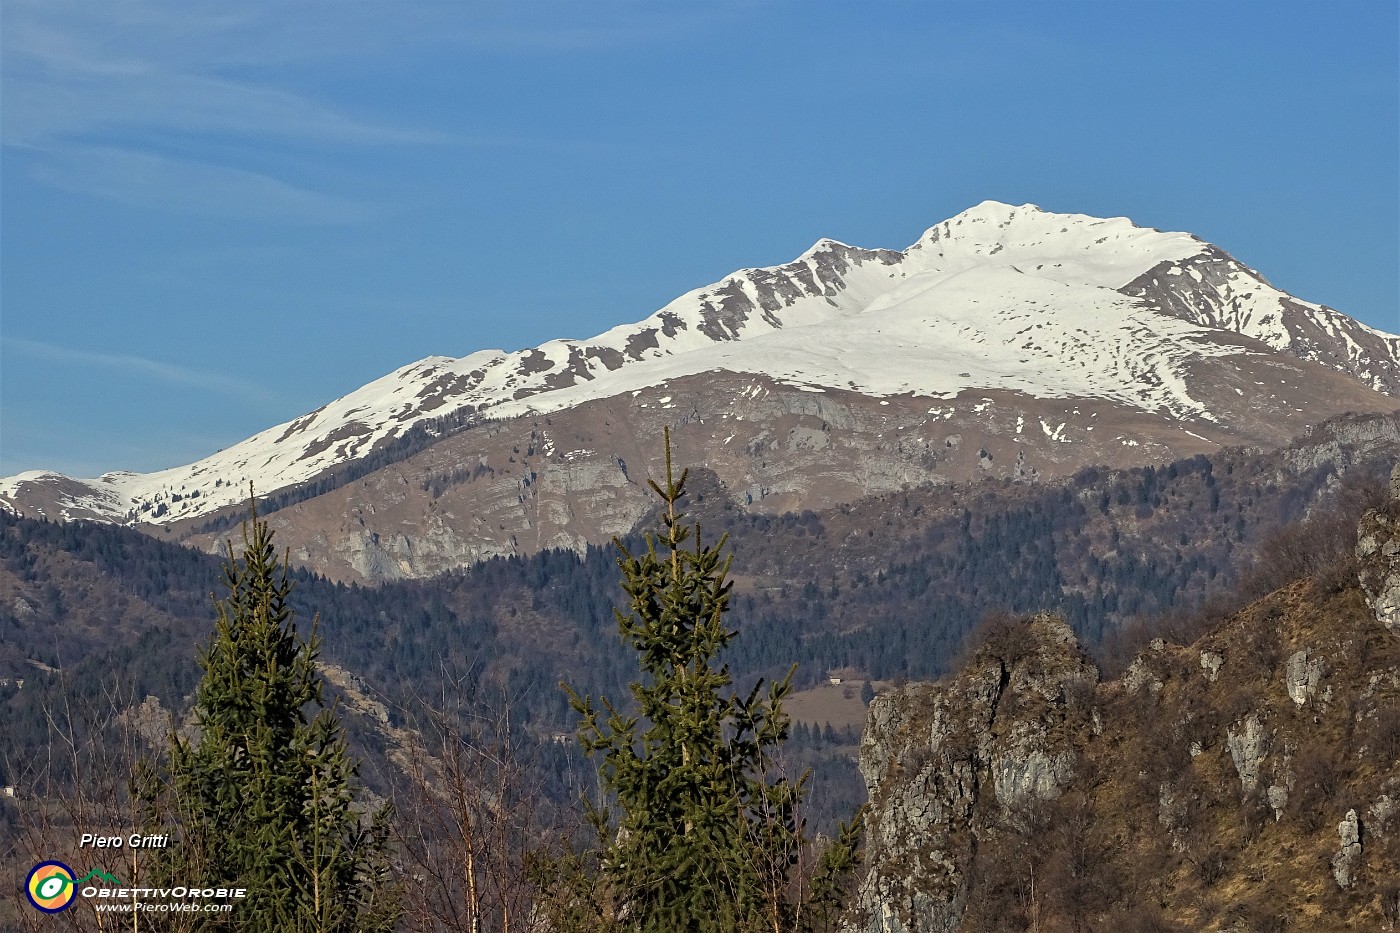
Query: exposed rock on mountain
{"points": [[937, 757], [1214, 289], [1378, 550], [1244, 782], [1007, 342]]}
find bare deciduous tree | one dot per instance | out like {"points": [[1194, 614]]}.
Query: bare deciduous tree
{"points": [[78, 784], [470, 807]]}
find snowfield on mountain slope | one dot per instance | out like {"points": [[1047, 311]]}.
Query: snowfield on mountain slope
{"points": [[999, 297], [938, 334], [1073, 249]]}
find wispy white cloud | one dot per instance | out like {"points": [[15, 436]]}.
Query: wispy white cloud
{"points": [[220, 37], [214, 108], [96, 96], [46, 110], [138, 365], [152, 181], [593, 28], [160, 105], [79, 70]]}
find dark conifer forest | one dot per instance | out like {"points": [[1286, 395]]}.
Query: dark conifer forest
{"points": [[889, 587]]}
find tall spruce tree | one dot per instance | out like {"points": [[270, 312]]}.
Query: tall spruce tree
{"points": [[263, 797], [706, 829]]}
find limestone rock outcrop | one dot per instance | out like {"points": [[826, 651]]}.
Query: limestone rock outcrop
{"points": [[1350, 831], [945, 762], [1303, 676], [1378, 550], [1248, 742], [1201, 790]]}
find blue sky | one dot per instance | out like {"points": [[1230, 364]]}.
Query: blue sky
{"points": [[215, 217]]}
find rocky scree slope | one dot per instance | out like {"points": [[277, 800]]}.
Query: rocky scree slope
{"points": [[1007, 341], [1249, 781]]}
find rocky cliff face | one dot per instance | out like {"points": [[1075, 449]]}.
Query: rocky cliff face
{"points": [[1378, 551], [1247, 782], [938, 757]]}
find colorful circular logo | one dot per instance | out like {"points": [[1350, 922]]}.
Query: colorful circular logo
{"points": [[50, 887]]}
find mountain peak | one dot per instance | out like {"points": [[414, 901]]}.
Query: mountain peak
{"points": [[1073, 249], [824, 245], [998, 209], [997, 298]]}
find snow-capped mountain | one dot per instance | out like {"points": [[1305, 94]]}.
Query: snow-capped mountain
{"points": [[998, 299]]}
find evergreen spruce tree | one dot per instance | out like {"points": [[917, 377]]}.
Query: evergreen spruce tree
{"points": [[867, 693], [706, 831], [263, 797]]}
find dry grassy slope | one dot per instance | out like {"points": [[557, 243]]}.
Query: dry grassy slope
{"points": [[1250, 821], [1204, 791]]}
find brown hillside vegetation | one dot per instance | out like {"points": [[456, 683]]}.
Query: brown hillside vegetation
{"points": [[1247, 781]]}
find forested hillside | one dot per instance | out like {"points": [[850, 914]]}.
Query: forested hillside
{"points": [[889, 587]]}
